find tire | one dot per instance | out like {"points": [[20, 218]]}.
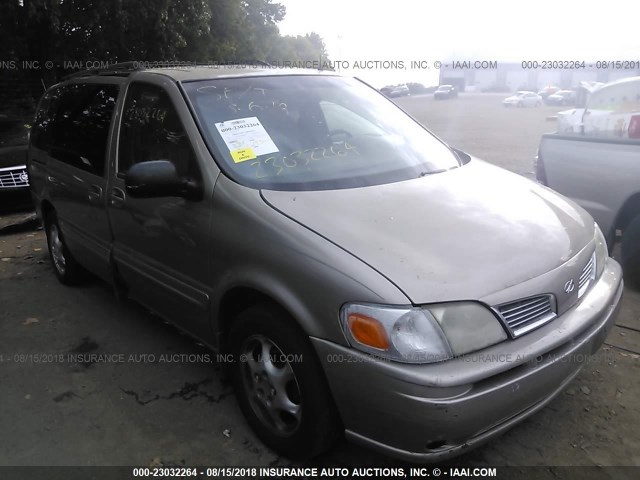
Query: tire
{"points": [[67, 269], [630, 252], [306, 422]]}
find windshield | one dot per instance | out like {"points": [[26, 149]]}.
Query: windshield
{"points": [[312, 133]]}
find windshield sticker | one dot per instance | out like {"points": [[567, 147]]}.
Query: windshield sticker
{"points": [[246, 134], [242, 155]]}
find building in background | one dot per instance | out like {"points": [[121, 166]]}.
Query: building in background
{"points": [[510, 77]]}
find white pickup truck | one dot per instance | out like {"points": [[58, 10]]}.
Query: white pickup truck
{"points": [[594, 159]]}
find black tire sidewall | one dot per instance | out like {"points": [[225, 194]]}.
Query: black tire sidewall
{"points": [[319, 424]]}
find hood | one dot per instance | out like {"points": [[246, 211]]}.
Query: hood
{"points": [[13, 156], [461, 234]]}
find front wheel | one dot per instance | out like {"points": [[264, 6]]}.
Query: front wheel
{"points": [[280, 384], [630, 252]]}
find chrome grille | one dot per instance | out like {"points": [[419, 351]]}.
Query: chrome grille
{"points": [[14, 177], [588, 274], [524, 315]]}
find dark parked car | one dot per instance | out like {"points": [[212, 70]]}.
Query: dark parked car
{"points": [[14, 139], [395, 91], [416, 88], [445, 92], [562, 97]]}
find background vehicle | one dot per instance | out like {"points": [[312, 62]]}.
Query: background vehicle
{"points": [[395, 91], [14, 139], [14, 180], [548, 90], [596, 163], [562, 97], [523, 98], [416, 88], [445, 92]]}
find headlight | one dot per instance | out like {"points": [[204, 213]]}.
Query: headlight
{"points": [[421, 334], [602, 251]]}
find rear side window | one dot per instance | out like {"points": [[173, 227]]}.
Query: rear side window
{"points": [[73, 125], [152, 130]]}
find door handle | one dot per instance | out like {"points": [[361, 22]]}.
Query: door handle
{"points": [[53, 180], [95, 193], [117, 197]]}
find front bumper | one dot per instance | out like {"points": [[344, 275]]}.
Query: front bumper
{"points": [[432, 412]]}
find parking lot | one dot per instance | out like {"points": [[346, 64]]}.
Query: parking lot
{"points": [[151, 396]]}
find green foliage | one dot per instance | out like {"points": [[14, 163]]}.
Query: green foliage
{"points": [[309, 48], [70, 33], [149, 30]]}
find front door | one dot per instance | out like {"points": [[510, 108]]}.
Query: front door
{"points": [[161, 246]]}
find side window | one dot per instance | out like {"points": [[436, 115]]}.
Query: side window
{"points": [[75, 126], [151, 130]]}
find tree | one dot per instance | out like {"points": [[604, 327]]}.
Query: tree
{"points": [[309, 47], [72, 32]]}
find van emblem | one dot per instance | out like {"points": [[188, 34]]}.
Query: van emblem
{"points": [[569, 286]]}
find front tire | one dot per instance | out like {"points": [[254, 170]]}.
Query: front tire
{"points": [[280, 384], [630, 252], [67, 269]]}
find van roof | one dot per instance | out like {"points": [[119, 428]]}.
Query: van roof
{"points": [[186, 73]]}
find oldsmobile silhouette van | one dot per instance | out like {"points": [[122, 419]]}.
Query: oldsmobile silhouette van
{"points": [[368, 279]]}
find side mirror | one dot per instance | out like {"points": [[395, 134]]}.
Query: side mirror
{"points": [[159, 178]]}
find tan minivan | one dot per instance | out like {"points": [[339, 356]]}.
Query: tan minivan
{"points": [[366, 277]]}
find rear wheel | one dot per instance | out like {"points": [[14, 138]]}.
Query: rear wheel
{"points": [[630, 252], [67, 269], [280, 384]]}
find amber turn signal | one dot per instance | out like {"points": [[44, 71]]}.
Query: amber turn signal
{"points": [[368, 331]]}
